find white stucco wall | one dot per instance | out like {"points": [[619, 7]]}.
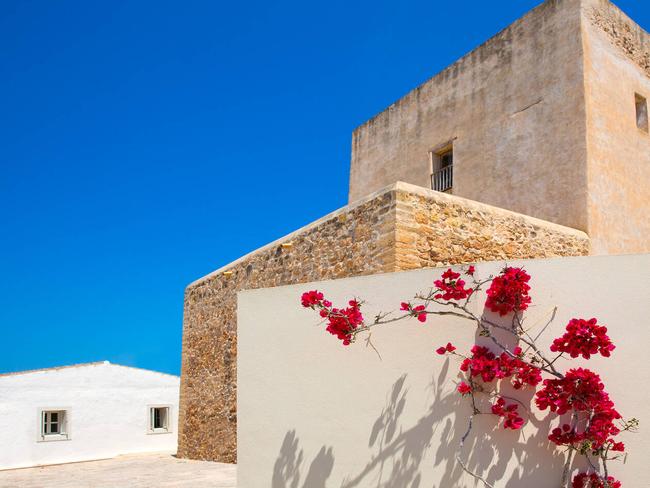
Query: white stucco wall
{"points": [[107, 407], [312, 413]]}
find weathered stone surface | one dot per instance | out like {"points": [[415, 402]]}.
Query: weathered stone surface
{"points": [[542, 121], [401, 227], [633, 41], [617, 68]]}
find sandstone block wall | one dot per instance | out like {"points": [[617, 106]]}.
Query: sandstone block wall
{"points": [[436, 229], [400, 227]]}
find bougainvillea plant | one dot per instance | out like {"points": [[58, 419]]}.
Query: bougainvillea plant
{"points": [[586, 422]]}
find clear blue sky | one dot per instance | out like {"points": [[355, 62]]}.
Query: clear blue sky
{"points": [[143, 144]]}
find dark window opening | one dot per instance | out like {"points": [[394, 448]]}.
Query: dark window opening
{"points": [[159, 420], [442, 163], [446, 158], [641, 112]]}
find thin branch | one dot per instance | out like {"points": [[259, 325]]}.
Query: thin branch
{"points": [[567, 469], [460, 461]]}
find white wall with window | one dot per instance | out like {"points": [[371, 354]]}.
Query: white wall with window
{"points": [[85, 412]]}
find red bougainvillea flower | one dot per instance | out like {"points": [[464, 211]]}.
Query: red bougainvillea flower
{"points": [[470, 270], [464, 388], [565, 436], [584, 338], [341, 322], [450, 287], [522, 372], [312, 299], [508, 292], [420, 311], [509, 412], [584, 480], [617, 446], [488, 366], [597, 434], [445, 349], [581, 392], [517, 351]]}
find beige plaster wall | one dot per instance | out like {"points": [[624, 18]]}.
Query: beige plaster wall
{"points": [[313, 413], [400, 227], [617, 66], [515, 110]]}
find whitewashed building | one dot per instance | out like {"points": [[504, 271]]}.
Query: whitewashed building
{"points": [[85, 412]]}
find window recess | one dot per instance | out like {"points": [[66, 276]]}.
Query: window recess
{"points": [[442, 166], [53, 424], [159, 419], [641, 112]]}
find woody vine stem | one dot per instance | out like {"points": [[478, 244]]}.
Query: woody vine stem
{"points": [[588, 422]]}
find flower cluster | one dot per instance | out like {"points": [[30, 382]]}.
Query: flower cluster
{"points": [[584, 338], [565, 436], [445, 349], [581, 392], [509, 412], [312, 299], [508, 292], [464, 388], [451, 287], [341, 322], [585, 480], [488, 366], [419, 311], [591, 439]]}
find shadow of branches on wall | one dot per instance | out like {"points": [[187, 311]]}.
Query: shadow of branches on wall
{"points": [[399, 451], [286, 471]]}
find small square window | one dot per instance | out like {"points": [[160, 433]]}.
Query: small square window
{"points": [[53, 424], [159, 419], [641, 112]]}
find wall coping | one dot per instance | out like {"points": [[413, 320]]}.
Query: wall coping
{"points": [[484, 207], [82, 365], [400, 186], [301, 230]]}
